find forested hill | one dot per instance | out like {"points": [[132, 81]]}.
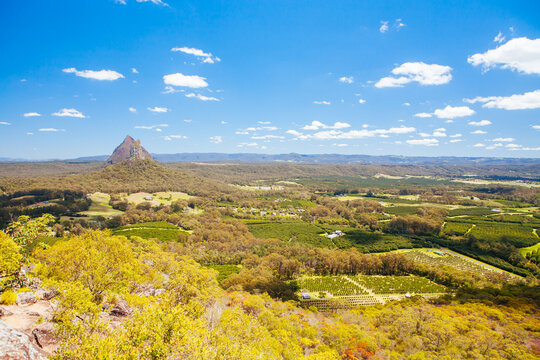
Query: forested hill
{"points": [[127, 176]]}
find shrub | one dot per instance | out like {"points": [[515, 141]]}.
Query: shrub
{"points": [[8, 297]]}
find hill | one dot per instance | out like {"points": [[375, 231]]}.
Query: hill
{"points": [[129, 149]]}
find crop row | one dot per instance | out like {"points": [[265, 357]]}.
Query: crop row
{"points": [[399, 284]]}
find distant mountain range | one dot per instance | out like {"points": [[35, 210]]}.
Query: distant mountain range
{"points": [[323, 159]]}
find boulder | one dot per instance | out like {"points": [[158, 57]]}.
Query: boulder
{"points": [[121, 308], [26, 298], [15, 345], [44, 335], [5, 312]]}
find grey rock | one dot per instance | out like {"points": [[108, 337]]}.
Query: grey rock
{"points": [[121, 308], [26, 298], [15, 345], [44, 335]]}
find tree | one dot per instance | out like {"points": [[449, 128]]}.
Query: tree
{"points": [[10, 257], [25, 230]]}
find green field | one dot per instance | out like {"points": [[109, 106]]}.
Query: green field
{"points": [[158, 198], [224, 271], [100, 206], [399, 284], [156, 230]]}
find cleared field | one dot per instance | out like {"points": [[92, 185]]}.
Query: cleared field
{"points": [[100, 206], [158, 198], [524, 251]]}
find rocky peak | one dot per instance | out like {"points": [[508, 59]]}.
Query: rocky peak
{"points": [[129, 149]]}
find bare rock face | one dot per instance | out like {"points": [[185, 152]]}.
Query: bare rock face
{"points": [[44, 335], [26, 298], [15, 345], [129, 149], [121, 308]]}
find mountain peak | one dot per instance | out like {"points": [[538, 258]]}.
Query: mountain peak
{"points": [[127, 150]]}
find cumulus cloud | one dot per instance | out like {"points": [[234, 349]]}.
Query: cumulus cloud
{"points": [[423, 115], [266, 137], [346, 79], [206, 57], [172, 137], [536, 127], [529, 100], [31, 114], [455, 135], [452, 112], [479, 145], [158, 109], [479, 132], [216, 139], [456, 140], [96, 75], [133, 70], [509, 139], [519, 54], [361, 101], [384, 26], [422, 73], [406, 104], [480, 123], [351, 134], [315, 125], [251, 144], [201, 97], [179, 79], [425, 142], [323, 102], [499, 38], [4, 123], [69, 113], [132, 109], [51, 130], [152, 127]]}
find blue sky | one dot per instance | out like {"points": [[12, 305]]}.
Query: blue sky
{"points": [[433, 78]]}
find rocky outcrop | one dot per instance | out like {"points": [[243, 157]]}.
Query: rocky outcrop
{"points": [[121, 308], [15, 345], [129, 149], [44, 335], [26, 298]]}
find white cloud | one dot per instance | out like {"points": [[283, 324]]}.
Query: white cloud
{"points": [[536, 127], [69, 113], [188, 120], [216, 139], [264, 122], [151, 127], [478, 132], [346, 79], [4, 123], [158, 109], [341, 145], [423, 115], [406, 104], [133, 70], [480, 123], [422, 73], [499, 38], [384, 26], [179, 79], [208, 57], [265, 137], [30, 114], [512, 146], [455, 135], [529, 100], [171, 137], [452, 112], [456, 140], [132, 109], [170, 90], [157, 2], [479, 145], [96, 75], [519, 54], [258, 128], [323, 102], [51, 130], [361, 101], [251, 144], [509, 139], [315, 125], [201, 97], [29, 133], [224, 122], [351, 134], [425, 142]]}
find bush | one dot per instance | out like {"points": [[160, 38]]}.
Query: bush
{"points": [[8, 297], [9, 256]]}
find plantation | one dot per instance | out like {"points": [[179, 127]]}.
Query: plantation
{"points": [[516, 235], [399, 284], [296, 231], [333, 285], [456, 228], [151, 230]]}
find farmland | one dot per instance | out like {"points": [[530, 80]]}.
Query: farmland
{"points": [[151, 230]]}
